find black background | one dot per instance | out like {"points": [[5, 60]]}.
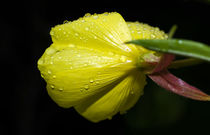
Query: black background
{"points": [[28, 110]]}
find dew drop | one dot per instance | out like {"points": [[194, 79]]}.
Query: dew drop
{"points": [[111, 36], [60, 89], [78, 55], [52, 33], [152, 36], [52, 87], [97, 82], [95, 37], [71, 45], [76, 34], [50, 51], [40, 61], [66, 21], [91, 80], [95, 17], [123, 58], [54, 76], [86, 28], [86, 87], [49, 72], [180, 41], [42, 75], [87, 15]]}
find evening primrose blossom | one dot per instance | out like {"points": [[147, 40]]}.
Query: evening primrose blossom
{"points": [[89, 67]]}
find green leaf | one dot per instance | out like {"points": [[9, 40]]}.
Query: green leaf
{"points": [[177, 46]]}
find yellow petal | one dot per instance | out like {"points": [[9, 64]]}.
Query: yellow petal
{"points": [[75, 73], [105, 32], [145, 31], [121, 97]]}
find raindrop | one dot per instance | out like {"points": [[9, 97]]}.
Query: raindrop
{"points": [[50, 51], [86, 87], [97, 82], [71, 45], [91, 80], [54, 76], [86, 28], [87, 15], [78, 55], [40, 62], [123, 58], [95, 17], [76, 34], [52, 86], [60, 89], [49, 72], [66, 21], [180, 41], [152, 36], [95, 37]]}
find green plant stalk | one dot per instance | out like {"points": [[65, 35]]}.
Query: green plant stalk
{"points": [[185, 63]]}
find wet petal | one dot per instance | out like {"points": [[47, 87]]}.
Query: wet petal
{"points": [[74, 73], [144, 31], [104, 32], [120, 97]]}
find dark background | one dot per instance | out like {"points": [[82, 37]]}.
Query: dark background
{"points": [[26, 108]]}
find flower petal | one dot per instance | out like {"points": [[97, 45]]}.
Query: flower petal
{"points": [[105, 32], [75, 73], [120, 98], [144, 31]]}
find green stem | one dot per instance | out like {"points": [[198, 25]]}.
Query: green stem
{"points": [[172, 31], [185, 63]]}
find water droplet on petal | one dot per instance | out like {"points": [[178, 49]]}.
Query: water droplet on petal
{"points": [[123, 58], [66, 21], [71, 45], [60, 89], [86, 87], [49, 72], [87, 15], [76, 34], [40, 61], [95, 17], [52, 87], [86, 28], [50, 51], [91, 80], [54, 76]]}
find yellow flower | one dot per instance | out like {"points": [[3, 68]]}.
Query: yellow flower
{"points": [[89, 67]]}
